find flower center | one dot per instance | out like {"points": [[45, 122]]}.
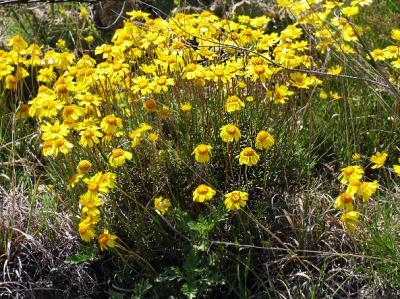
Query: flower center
{"points": [[88, 134], [143, 84], [84, 167], [161, 81], [191, 67], [234, 36], [59, 142], [202, 190], [262, 136], [219, 73], [231, 130], [48, 105], [235, 197], [233, 99], [150, 104], [117, 153], [68, 111], [259, 69], [112, 121], [346, 198], [55, 129], [348, 171], [93, 186], [203, 149], [248, 152]]}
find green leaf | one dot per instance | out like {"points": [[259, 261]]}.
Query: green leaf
{"points": [[88, 253], [189, 290]]}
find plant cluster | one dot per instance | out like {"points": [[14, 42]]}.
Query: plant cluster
{"points": [[181, 125]]}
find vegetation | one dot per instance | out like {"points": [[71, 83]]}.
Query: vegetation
{"points": [[198, 156]]}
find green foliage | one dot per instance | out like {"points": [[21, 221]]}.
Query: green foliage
{"points": [[86, 253]]}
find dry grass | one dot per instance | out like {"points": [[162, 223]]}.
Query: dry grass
{"points": [[33, 257]]}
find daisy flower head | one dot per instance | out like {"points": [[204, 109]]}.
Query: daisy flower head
{"points": [[203, 193], [236, 200], [248, 157], [202, 153]]}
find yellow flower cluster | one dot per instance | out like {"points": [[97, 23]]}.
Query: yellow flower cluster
{"points": [[97, 186], [352, 177]]}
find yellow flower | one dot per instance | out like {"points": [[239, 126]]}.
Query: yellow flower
{"points": [[137, 14], [46, 75], [378, 159], [106, 240], [73, 180], [150, 105], [72, 113], [185, 107], [349, 34], [23, 111], [229, 133], [350, 220], [250, 99], [86, 200], [192, 71], [351, 173], [264, 140], [54, 147], [110, 124], [323, 95], [164, 112], [99, 183], [162, 204], [301, 80], [335, 70], [83, 166], [259, 71], [92, 212], [248, 157], [153, 137], [202, 153], [160, 84], [18, 43], [353, 186], [356, 157], [60, 43], [233, 103], [11, 82], [118, 157], [54, 131], [280, 94], [90, 137], [344, 201], [5, 69], [83, 13], [396, 34], [236, 200], [391, 52], [141, 84], [86, 230], [350, 10], [334, 96], [378, 55], [396, 169], [89, 39], [203, 193], [367, 189], [88, 99]]}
